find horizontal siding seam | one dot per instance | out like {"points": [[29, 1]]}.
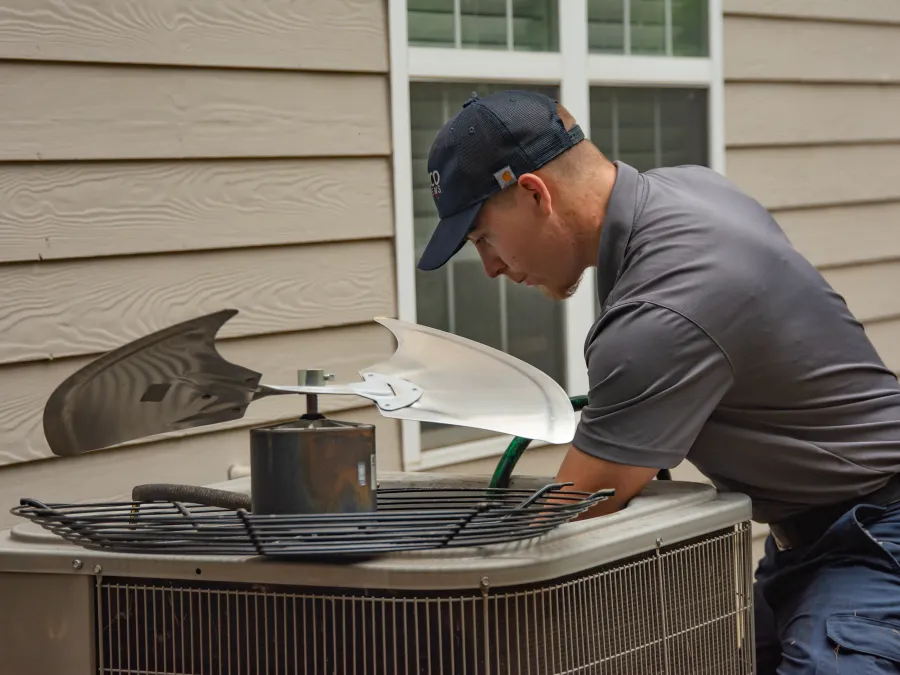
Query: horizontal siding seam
{"points": [[787, 145], [869, 82], [859, 263], [138, 159], [194, 251], [797, 18], [180, 67], [831, 205], [887, 318], [191, 159]]}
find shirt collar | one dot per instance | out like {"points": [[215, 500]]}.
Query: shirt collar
{"points": [[617, 225]]}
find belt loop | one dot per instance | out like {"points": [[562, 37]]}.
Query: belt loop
{"points": [[780, 544]]}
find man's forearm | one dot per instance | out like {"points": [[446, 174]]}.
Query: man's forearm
{"points": [[589, 474]]}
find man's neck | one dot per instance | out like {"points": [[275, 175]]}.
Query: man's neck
{"points": [[597, 203]]}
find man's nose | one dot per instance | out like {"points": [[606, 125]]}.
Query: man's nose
{"points": [[493, 266]]}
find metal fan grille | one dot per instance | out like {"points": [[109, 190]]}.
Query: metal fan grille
{"points": [[406, 519], [685, 609]]}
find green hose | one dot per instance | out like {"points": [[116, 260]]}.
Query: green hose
{"points": [[517, 446]]}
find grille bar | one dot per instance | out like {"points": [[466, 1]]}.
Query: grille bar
{"points": [[673, 610]]}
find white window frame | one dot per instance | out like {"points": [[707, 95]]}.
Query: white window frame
{"points": [[574, 70]]}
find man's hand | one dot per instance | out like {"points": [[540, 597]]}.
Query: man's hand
{"points": [[590, 474]]}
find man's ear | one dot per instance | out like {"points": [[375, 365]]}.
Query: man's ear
{"points": [[535, 189]]}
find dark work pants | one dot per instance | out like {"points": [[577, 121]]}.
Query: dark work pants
{"points": [[833, 607]]}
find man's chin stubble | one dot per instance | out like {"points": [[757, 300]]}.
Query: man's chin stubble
{"points": [[561, 294]]}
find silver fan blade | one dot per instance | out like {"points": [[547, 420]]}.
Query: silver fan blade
{"points": [[170, 380], [466, 383]]}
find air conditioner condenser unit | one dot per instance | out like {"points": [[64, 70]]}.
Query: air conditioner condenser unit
{"points": [[664, 586]]}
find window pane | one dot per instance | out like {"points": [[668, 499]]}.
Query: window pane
{"points": [[606, 28], [524, 25], [483, 23], [650, 27], [650, 127], [683, 126], [535, 25], [460, 298], [430, 23], [690, 28]]}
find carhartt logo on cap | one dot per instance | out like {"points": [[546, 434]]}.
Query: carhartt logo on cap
{"points": [[505, 177]]}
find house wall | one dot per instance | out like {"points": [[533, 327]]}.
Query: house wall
{"points": [[160, 159]]}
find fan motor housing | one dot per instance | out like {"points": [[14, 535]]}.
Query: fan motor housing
{"points": [[313, 465]]}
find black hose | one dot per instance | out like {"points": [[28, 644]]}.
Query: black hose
{"points": [[192, 494]]}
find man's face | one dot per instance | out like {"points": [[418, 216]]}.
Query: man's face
{"points": [[527, 238]]}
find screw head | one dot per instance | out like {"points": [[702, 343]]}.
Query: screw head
{"points": [[77, 564], [97, 569]]}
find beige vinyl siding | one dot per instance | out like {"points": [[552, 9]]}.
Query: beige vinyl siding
{"points": [[818, 141], [844, 11], [107, 209], [774, 49], [804, 113], [160, 159], [86, 306], [337, 35], [81, 112], [812, 130]]}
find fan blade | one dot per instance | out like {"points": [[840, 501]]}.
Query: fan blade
{"points": [[466, 383], [170, 380]]}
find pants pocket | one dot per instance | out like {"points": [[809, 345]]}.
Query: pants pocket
{"points": [[861, 646]]}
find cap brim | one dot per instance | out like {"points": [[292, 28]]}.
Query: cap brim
{"points": [[448, 238]]}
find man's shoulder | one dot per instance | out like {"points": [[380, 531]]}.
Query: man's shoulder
{"points": [[639, 327], [699, 188]]}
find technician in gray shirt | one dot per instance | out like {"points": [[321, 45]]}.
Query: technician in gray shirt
{"points": [[716, 342]]}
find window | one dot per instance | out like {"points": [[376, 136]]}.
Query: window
{"points": [[650, 127], [522, 25], [673, 27], [643, 77]]}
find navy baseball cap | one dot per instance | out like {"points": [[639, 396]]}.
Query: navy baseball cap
{"points": [[483, 149]]}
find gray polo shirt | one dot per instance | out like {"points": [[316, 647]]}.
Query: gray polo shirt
{"points": [[717, 342]]}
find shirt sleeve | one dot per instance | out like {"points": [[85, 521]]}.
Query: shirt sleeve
{"points": [[655, 377]]}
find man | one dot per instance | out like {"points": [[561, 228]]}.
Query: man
{"points": [[717, 342]]}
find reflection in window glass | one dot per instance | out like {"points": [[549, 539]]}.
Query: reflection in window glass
{"points": [[520, 25], [648, 27], [459, 297], [690, 28], [650, 128]]}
